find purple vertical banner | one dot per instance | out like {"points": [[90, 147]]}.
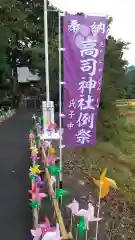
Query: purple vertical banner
{"points": [[84, 43]]}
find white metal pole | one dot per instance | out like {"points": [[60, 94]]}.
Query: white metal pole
{"points": [[46, 51], [60, 98]]}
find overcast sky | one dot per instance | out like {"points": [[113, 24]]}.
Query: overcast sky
{"points": [[122, 12]]}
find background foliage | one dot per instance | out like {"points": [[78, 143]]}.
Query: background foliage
{"points": [[22, 44]]}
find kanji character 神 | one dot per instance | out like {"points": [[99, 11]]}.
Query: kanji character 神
{"points": [[84, 84]]}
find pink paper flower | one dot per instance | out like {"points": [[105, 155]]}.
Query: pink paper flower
{"points": [[55, 235], [52, 160], [46, 227]]}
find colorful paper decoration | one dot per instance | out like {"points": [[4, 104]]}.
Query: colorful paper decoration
{"points": [[41, 118], [52, 160], [88, 215], [30, 131], [31, 177], [35, 150], [53, 235], [73, 206], [37, 138], [39, 196], [55, 171], [105, 184], [46, 226], [51, 127], [81, 228], [35, 170], [42, 142], [38, 180], [34, 157], [34, 189], [52, 151], [52, 181], [34, 204], [37, 233], [60, 192], [31, 136]]}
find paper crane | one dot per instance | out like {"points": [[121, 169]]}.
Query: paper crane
{"points": [[105, 184], [53, 235], [46, 227], [37, 233], [88, 215]]}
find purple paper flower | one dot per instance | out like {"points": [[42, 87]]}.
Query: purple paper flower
{"points": [[38, 180]]}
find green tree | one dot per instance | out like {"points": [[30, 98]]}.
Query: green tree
{"points": [[130, 88], [113, 84]]}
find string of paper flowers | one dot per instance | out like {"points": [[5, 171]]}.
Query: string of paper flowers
{"points": [[4, 115], [44, 230]]}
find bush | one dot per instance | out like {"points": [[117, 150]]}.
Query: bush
{"points": [[6, 103]]}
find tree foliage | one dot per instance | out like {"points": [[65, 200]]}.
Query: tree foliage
{"points": [[114, 82], [130, 88], [22, 43]]}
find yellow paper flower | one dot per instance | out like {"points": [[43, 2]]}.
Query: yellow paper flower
{"points": [[52, 151], [33, 143], [35, 150], [105, 184], [35, 170]]}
